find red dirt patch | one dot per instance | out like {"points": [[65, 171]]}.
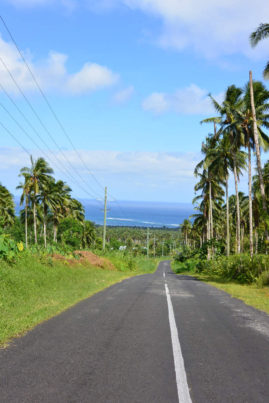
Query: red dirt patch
{"points": [[86, 257], [95, 260]]}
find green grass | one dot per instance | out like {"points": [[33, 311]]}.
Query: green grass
{"points": [[32, 291], [251, 294], [137, 265]]}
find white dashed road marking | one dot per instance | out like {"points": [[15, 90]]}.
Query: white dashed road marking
{"points": [[181, 377]]}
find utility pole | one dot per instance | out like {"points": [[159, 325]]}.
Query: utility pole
{"points": [[147, 242], [154, 251], [162, 247], [105, 212]]}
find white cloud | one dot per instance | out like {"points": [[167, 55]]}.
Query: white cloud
{"points": [[124, 95], [161, 165], [156, 103], [130, 175], [192, 100], [91, 77], [52, 73], [210, 27]]}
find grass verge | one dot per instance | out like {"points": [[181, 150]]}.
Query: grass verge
{"points": [[32, 290], [251, 294]]}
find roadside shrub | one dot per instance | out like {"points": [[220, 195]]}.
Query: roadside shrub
{"points": [[184, 255], [189, 265], [131, 265], [241, 268], [9, 248], [263, 279]]}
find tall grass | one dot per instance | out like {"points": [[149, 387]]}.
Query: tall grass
{"points": [[125, 261]]}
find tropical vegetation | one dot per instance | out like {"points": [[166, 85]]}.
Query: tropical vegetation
{"points": [[228, 235]]}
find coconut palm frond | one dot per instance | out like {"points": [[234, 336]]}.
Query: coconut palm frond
{"points": [[261, 32]]}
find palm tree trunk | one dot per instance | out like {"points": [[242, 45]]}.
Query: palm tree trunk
{"points": [[211, 210], [242, 238], [26, 221], [211, 216], [208, 235], [256, 241], [250, 202], [227, 218], [45, 225], [237, 210], [55, 233], [258, 155], [35, 231]]}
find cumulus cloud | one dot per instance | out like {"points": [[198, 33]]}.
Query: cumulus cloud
{"points": [[156, 103], [124, 95], [170, 166], [91, 77], [210, 27], [52, 73], [192, 100], [130, 175]]}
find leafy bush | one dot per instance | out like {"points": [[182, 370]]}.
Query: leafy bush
{"points": [[241, 268], [184, 255], [263, 279], [9, 248], [189, 265]]}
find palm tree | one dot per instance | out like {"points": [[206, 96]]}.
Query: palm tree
{"points": [[220, 159], [185, 229], [60, 201], [46, 198], [261, 33], [230, 127], [7, 208], [26, 186], [209, 184], [207, 147], [39, 173], [199, 224], [245, 118], [76, 209], [257, 148]]}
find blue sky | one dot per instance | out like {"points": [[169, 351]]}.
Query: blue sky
{"points": [[129, 80]]}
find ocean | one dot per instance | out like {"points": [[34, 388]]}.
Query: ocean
{"points": [[138, 214], [135, 214]]}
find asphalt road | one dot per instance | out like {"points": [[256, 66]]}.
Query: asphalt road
{"points": [[122, 345]]}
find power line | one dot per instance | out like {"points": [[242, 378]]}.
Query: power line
{"points": [[14, 138], [52, 112], [27, 152], [42, 151], [36, 144], [48, 103], [22, 129], [40, 121]]}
